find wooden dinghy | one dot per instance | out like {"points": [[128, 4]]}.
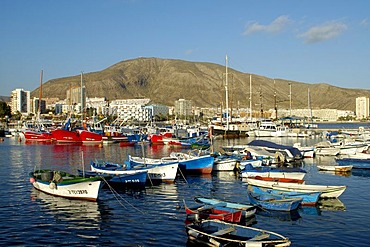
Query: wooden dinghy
{"points": [[219, 233], [336, 168]]}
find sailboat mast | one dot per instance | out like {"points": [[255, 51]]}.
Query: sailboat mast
{"points": [[82, 109], [290, 99], [40, 96], [309, 104], [250, 97], [276, 113], [227, 97]]}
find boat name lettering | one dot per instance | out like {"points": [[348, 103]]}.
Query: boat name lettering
{"points": [[157, 175], [132, 181], [77, 192]]}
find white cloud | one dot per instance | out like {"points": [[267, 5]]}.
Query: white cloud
{"points": [[274, 27], [364, 22], [189, 51], [326, 31]]}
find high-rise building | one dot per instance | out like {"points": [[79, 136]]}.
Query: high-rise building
{"points": [[20, 101], [362, 107], [76, 96], [183, 107]]}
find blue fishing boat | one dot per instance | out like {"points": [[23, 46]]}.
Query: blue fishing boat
{"points": [[308, 198], [273, 202], [156, 173], [248, 210], [194, 164], [137, 179]]}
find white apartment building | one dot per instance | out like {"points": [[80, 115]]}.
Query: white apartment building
{"points": [[362, 107], [100, 104], [20, 101], [132, 109]]}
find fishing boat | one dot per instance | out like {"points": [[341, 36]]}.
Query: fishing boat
{"points": [[37, 136], [63, 184], [248, 210], [224, 164], [137, 179], [220, 233], [327, 191], [308, 198], [267, 171], [135, 160], [90, 137], [216, 211], [194, 164], [273, 201], [336, 168], [156, 173]]}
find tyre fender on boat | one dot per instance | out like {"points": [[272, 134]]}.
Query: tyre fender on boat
{"points": [[52, 185], [279, 158]]}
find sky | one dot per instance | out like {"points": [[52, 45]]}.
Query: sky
{"points": [[310, 41]]}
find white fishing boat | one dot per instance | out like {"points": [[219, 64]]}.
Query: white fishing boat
{"points": [[327, 191], [326, 148], [66, 185]]}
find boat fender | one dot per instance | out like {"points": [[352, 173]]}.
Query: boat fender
{"points": [[215, 242], [193, 233], [32, 180], [279, 157], [52, 185]]}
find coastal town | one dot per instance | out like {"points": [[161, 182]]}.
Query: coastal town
{"points": [[143, 111]]}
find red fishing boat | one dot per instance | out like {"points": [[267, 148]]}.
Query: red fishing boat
{"points": [[37, 136], [90, 137], [66, 136]]}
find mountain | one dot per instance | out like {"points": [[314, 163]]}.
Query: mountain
{"points": [[166, 80]]}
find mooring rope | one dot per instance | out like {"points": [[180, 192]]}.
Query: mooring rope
{"points": [[119, 198]]}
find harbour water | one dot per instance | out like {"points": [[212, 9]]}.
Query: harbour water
{"points": [[155, 216]]}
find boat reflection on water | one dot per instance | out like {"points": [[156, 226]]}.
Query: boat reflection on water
{"points": [[226, 175], [331, 204], [337, 173], [361, 172], [279, 215], [81, 214], [308, 210]]}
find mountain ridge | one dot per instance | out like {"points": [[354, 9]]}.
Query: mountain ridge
{"points": [[166, 80]]}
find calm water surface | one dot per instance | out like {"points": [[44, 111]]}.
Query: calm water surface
{"points": [[155, 216]]}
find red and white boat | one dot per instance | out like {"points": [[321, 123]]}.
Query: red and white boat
{"points": [[37, 136], [90, 137], [66, 136]]}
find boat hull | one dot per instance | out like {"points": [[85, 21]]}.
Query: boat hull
{"points": [[37, 136], [209, 232], [273, 201], [308, 198], [327, 191], [82, 188], [247, 210], [66, 136], [195, 164]]}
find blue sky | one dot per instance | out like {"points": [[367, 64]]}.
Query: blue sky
{"points": [[311, 41]]}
